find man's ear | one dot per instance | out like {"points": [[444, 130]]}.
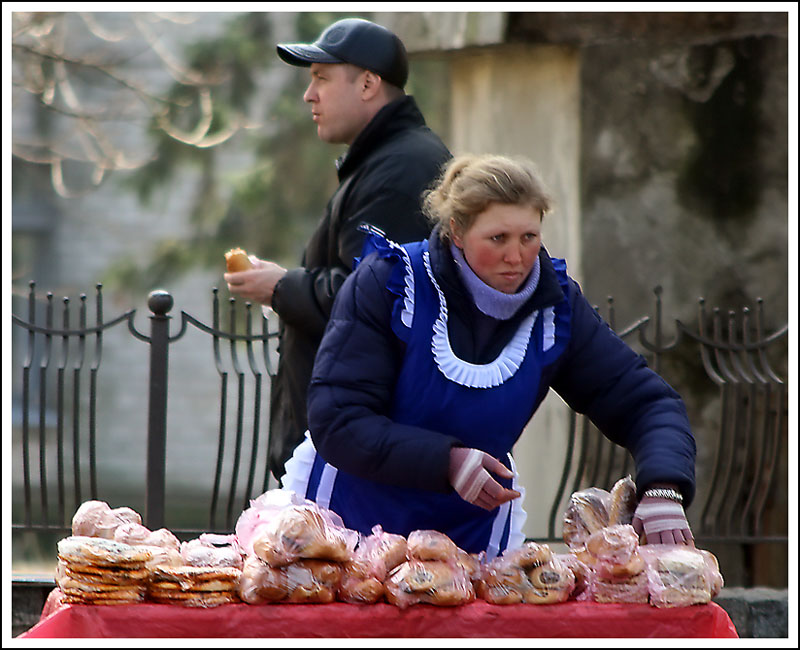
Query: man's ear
{"points": [[370, 84]]}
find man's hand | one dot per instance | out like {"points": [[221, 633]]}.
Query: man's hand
{"points": [[663, 522], [257, 284], [469, 475]]}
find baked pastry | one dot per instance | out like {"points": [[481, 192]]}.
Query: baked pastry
{"points": [[552, 582], [503, 583], [716, 581], [101, 571], [581, 572], [634, 589], [312, 581], [680, 576], [433, 582], [586, 513], [430, 545], [623, 502], [97, 519], [529, 574], [359, 584], [298, 532], [163, 538], [618, 568], [529, 555], [237, 260], [260, 583], [194, 586], [196, 552], [132, 533]]}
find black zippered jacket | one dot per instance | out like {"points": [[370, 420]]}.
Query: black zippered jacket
{"points": [[381, 180]]}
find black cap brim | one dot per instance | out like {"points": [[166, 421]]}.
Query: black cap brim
{"points": [[303, 54]]}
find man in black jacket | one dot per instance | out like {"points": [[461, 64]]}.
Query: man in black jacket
{"points": [[358, 71]]}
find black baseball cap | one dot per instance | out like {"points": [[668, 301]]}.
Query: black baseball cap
{"points": [[356, 41]]}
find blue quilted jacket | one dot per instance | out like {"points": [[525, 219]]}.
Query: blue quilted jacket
{"points": [[597, 374]]}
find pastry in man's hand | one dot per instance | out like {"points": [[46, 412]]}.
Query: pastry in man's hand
{"points": [[237, 260]]}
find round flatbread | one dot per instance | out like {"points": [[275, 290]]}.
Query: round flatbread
{"points": [[204, 585], [98, 551], [207, 599], [104, 575], [190, 575], [122, 593]]}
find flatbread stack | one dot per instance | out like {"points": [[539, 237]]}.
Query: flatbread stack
{"points": [[193, 586], [99, 571]]}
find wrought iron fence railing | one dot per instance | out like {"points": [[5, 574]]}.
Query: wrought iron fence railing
{"points": [[57, 372]]}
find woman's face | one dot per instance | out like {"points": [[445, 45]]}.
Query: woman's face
{"points": [[502, 244]]}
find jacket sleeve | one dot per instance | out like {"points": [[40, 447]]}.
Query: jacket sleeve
{"points": [[603, 378], [304, 297], [351, 392]]}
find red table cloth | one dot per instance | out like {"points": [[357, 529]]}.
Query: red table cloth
{"points": [[336, 620]]}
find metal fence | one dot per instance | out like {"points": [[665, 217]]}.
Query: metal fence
{"points": [[59, 370]]}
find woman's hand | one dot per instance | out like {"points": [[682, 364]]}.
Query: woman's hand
{"points": [[469, 475], [663, 522]]}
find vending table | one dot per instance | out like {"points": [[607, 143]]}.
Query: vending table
{"points": [[478, 619]]}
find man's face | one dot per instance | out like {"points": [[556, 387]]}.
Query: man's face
{"points": [[335, 95]]}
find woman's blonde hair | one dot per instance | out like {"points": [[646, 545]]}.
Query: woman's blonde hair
{"points": [[469, 183]]}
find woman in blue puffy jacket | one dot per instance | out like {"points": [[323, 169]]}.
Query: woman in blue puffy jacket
{"points": [[439, 352]]}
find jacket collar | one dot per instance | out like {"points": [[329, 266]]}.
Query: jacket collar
{"points": [[548, 291], [395, 117]]}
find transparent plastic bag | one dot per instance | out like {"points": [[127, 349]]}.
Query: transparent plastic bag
{"points": [[679, 576], [212, 551], [364, 576], [586, 513], [529, 574], [304, 532], [434, 582]]}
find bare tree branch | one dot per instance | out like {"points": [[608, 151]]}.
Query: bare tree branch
{"points": [[81, 75]]}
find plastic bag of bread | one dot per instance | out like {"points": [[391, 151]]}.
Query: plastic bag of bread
{"points": [[430, 545], [97, 519], [622, 502], [586, 513], [312, 581], [582, 573], [304, 532], [679, 576], [618, 569], [263, 509], [132, 533], [163, 538], [528, 574], [376, 554], [212, 551], [261, 584], [434, 582]]}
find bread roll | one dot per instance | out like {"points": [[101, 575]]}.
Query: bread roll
{"points": [[432, 582], [301, 532], [430, 545], [237, 260], [358, 585], [623, 502], [680, 576], [586, 513]]}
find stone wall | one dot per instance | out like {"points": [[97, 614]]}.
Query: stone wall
{"points": [[664, 138]]}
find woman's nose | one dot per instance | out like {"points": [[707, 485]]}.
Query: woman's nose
{"points": [[513, 254]]}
